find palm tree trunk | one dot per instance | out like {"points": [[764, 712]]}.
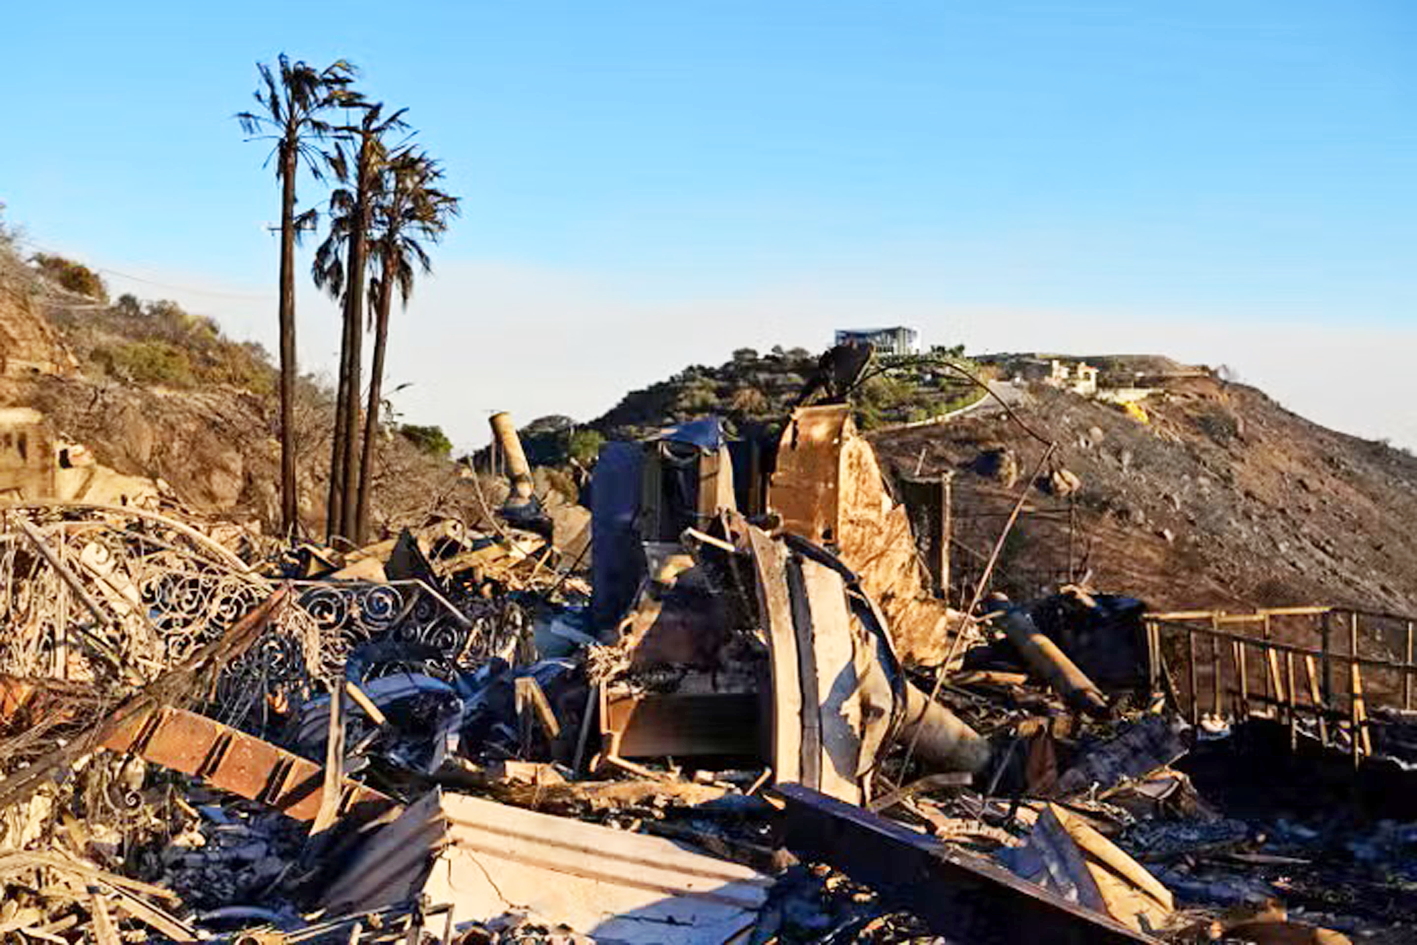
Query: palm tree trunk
{"points": [[334, 508], [354, 315], [376, 389], [349, 483], [289, 500]]}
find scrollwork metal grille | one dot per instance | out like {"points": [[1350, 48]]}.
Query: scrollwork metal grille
{"points": [[162, 591]]}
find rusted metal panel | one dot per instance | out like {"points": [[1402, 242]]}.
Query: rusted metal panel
{"points": [[830, 686], [837, 689], [805, 486], [964, 898], [828, 489], [234, 761], [485, 858]]}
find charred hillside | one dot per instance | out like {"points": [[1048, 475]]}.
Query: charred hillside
{"points": [[1221, 497]]}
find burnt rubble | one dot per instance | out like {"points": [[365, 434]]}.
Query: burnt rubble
{"points": [[722, 705]]}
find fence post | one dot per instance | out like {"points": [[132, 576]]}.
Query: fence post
{"points": [[1326, 632], [1153, 646], [1407, 673], [1242, 670], [1215, 680], [1290, 699], [1270, 686], [1191, 675], [1320, 705]]}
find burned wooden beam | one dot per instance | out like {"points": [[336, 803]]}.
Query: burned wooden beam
{"points": [[967, 899]]}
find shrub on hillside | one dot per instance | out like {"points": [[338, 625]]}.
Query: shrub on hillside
{"points": [[146, 362], [1219, 424], [70, 275], [585, 445], [429, 439], [748, 401], [161, 343], [751, 389]]}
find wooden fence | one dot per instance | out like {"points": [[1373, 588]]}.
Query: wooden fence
{"points": [[1321, 670]]}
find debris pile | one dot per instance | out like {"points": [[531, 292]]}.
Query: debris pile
{"points": [[719, 705]]}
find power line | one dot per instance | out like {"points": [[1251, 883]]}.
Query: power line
{"points": [[249, 296]]}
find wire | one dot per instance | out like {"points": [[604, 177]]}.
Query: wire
{"points": [[966, 615], [252, 296]]}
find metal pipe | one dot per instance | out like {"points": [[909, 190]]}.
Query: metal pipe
{"points": [[941, 740], [1047, 659], [504, 431], [1407, 673]]}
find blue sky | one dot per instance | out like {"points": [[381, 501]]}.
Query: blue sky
{"points": [[649, 185]]}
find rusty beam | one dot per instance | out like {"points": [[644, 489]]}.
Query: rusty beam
{"points": [[174, 685], [964, 898], [234, 761]]}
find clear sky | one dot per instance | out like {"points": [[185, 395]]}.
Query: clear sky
{"points": [[652, 184]]}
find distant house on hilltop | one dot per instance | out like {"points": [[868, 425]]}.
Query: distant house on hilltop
{"points": [[1076, 376], [896, 340]]}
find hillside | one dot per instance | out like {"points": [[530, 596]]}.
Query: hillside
{"points": [[154, 391], [1223, 497], [1219, 496]]}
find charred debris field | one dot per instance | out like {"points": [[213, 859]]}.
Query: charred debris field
{"points": [[796, 649]]}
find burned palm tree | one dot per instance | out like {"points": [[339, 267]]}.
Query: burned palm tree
{"points": [[339, 268], [292, 98], [409, 209]]}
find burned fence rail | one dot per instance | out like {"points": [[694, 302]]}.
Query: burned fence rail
{"points": [[1340, 674]]}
